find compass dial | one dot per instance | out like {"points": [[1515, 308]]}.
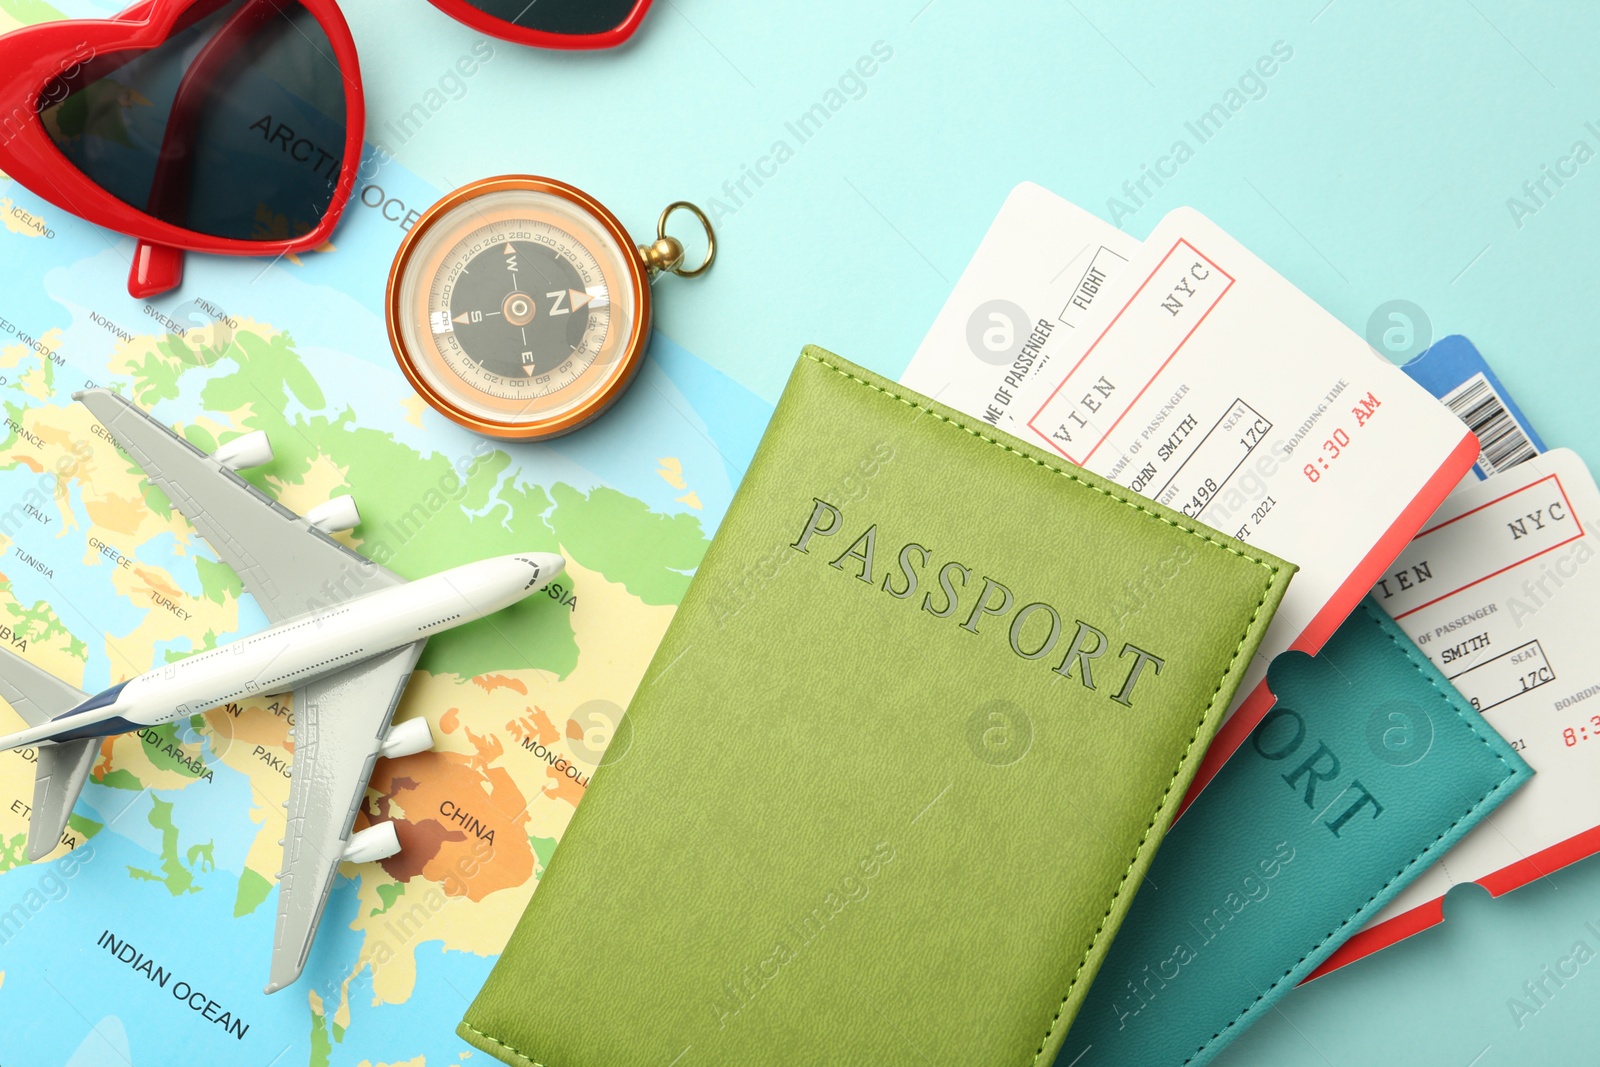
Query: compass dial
{"points": [[518, 307]]}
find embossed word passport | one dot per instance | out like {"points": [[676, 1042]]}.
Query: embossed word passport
{"points": [[899, 764], [1366, 770]]}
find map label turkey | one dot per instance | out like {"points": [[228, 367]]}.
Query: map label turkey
{"points": [[170, 604], [198, 1002]]}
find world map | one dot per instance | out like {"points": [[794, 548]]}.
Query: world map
{"points": [[145, 937]]}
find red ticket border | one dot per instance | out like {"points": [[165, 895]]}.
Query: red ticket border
{"points": [[1180, 243], [1545, 862], [1552, 477]]}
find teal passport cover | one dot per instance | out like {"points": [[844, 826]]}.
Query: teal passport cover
{"points": [[889, 784], [1368, 768]]}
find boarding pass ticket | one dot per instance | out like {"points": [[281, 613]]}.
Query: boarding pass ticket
{"points": [[1499, 590], [1197, 376]]}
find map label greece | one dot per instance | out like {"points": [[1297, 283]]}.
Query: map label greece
{"points": [[115, 557], [198, 1002]]}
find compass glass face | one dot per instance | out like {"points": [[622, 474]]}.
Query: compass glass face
{"points": [[518, 307]]}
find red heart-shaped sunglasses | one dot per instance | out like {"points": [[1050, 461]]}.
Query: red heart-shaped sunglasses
{"points": [[223, 126]]}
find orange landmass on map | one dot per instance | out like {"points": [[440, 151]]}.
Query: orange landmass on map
{"points": [[534, 727], [461, 823], [490, 682]]}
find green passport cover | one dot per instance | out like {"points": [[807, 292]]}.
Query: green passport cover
{"points": [[902, 758]]}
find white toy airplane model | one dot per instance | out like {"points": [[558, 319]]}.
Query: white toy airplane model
{"points": [[347, 664]]}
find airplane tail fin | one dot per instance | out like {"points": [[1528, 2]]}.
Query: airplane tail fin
{"points": [[39, 696], [63, 769]]}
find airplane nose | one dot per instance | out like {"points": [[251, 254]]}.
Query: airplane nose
{"points": [[546, 565]]}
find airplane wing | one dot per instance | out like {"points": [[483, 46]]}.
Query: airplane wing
{"points": [[290, 566], [339, 726], [39, 696], [36, 694]]}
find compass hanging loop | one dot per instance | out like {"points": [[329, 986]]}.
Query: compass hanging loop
{"points": [[667, 252]]}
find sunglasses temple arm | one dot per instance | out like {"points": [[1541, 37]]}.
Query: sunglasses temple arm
{"points": [[156, 269]]}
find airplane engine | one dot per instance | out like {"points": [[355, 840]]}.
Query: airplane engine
{"points": [[335, 514], [407, 739], [251, 450], [377, 842]]}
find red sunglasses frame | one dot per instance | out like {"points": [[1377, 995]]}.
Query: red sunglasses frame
{"points": [[34, 56], [466, 13]]}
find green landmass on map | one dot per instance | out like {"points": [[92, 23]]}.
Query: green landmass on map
{"points": [[175, 873], [253, 890], [424, 512]]}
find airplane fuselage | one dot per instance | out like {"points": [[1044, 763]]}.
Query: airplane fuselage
{"points": [[293, 653]]}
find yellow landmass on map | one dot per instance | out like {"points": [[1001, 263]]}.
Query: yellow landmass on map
{"points": [[12, 355], [24, 223], [671, 471], [35, 372]]}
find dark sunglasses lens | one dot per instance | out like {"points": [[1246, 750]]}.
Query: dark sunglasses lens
{"points": [[567, 17], [233, 127]]}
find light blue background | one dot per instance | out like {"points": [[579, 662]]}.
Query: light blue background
{"points": [[1377, 166]]}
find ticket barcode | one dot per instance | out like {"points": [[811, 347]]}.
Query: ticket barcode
{"points": [[1502, 441]]}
